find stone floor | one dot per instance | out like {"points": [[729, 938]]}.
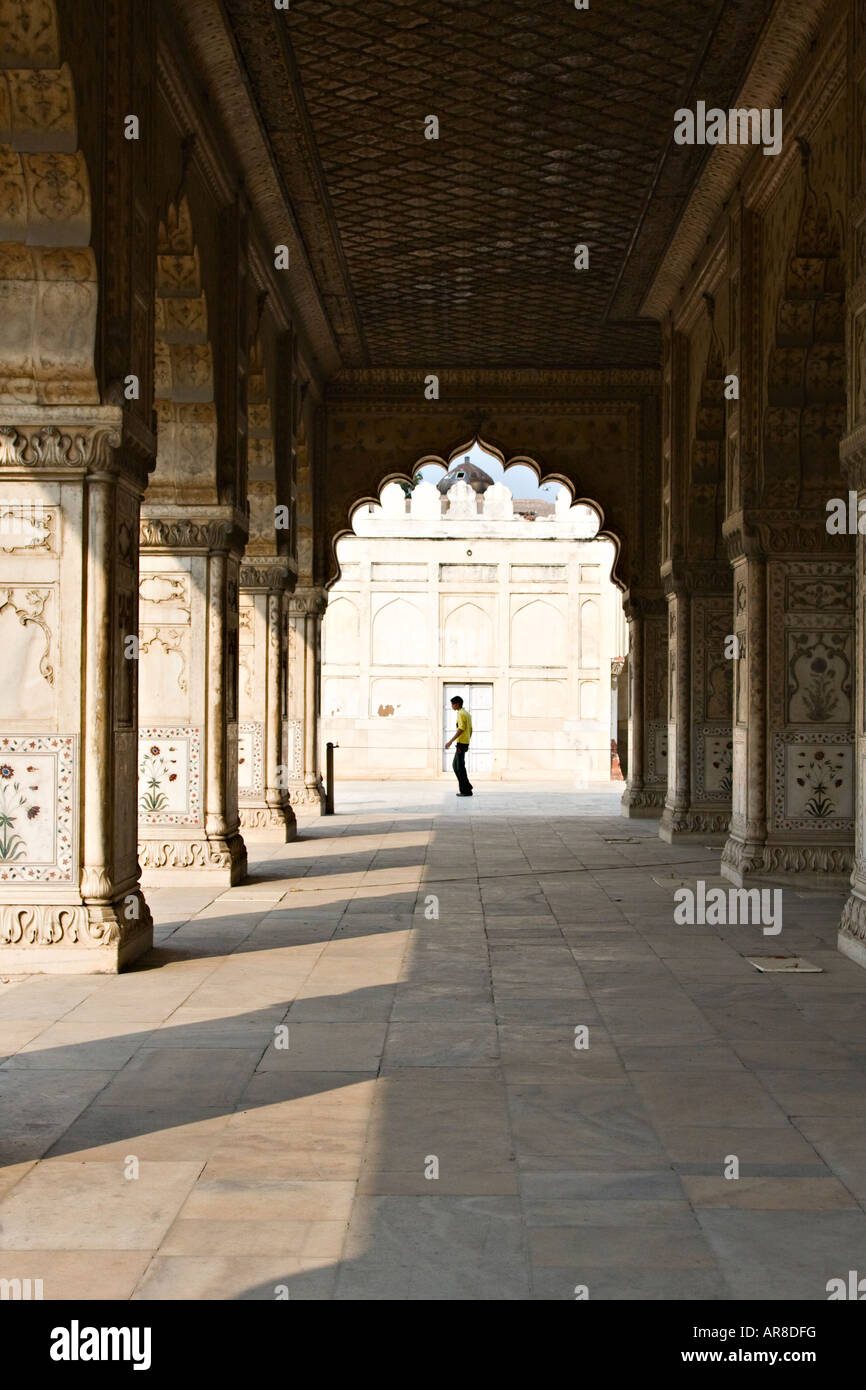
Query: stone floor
{"points": [[161, 1143]]}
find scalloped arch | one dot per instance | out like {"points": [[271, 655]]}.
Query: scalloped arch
{"points": [[507, 461]]}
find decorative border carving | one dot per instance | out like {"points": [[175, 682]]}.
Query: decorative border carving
{"points": [[303, 795], [265, 818], [189, 535], [853, 922], [50, 448], [192, 854], [264, 576], [35, 601], [460, 385]]}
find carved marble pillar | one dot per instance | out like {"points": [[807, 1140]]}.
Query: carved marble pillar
{"points": [[188, 693], [793, 751], [679, 711], [852, 932], [265, 809], [72, 480], [700, 744], [647, 729], [306, 608]]}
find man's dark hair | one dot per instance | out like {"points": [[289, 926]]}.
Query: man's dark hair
{"points": [[457, 700]]}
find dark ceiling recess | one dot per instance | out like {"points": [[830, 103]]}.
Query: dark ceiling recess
{"points": [[555, 128]]}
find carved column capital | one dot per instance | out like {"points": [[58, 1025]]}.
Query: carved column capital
{"points": [[61, 440], [168, 529], [312, 601], [739, 537], [266, 574]]}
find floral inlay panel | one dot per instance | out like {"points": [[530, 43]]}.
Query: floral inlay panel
{"points": [[819, 677], [251, 735], [169, 776], [814, 781], [714, 758], [37, 797], [657, 750]]}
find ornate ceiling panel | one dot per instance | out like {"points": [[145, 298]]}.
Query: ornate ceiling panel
{"points": [[555, 128]]}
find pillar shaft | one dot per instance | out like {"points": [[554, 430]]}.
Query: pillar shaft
{"points": [[698, 802], [265, 809], [69, 892], [305, 610], [647, 731], [188, 735], [793, 797]]}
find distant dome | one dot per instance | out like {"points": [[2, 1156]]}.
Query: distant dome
{"points": [[465, 472]]}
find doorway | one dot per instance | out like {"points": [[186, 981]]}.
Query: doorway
{"points": [[478, 700]]}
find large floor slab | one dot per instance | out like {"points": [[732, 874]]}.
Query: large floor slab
{"points": [[441, 1049]]}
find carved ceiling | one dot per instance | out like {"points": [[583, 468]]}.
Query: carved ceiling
{"points": [[555, 127]]}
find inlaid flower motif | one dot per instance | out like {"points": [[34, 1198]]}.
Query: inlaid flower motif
{"points": [[819, 772], [153, 772]]}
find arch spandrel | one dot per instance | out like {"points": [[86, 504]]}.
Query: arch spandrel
{"points": [[609, 480], [48, 276]]}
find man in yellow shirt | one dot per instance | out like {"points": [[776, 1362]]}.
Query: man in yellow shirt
{"points": [[461, 741]]}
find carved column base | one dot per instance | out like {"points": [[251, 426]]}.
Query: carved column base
{"points": [[801, 865], [642, 803], [851, 940], [271, 824], [220, 861], [74, 939], [707, 826], [307, 796]]}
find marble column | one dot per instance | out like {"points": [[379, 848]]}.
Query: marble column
{"points": [[852, 931], [188, 695], [305, 609], [679, 711], [700, 745], [793, 799], [265, 809], [647, 730], [70, 900]]}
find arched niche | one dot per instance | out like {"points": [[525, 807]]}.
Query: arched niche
{"points": [[48, 277], [399, 634], [538, 635], [341, 633], [589, 633], [467, 637]]}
